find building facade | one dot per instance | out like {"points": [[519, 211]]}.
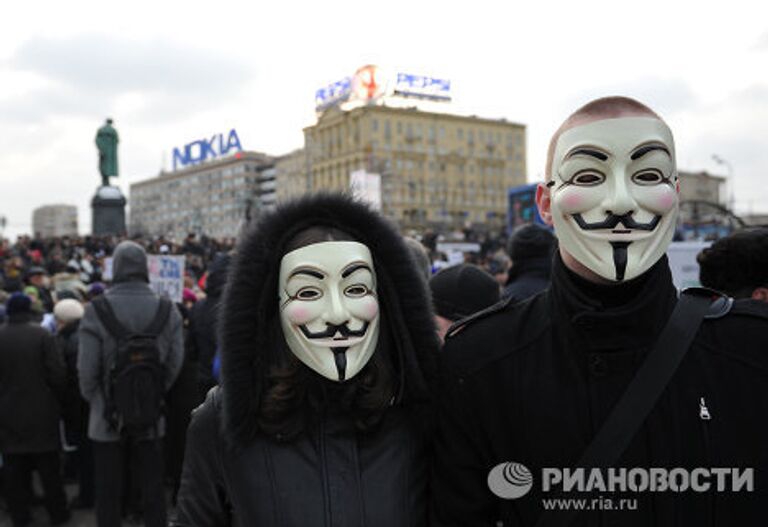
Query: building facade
{"points": [[701, 186], [211, 198], [756, 219], [291, 175], [436, 169], [54, 220], [704, 213]]}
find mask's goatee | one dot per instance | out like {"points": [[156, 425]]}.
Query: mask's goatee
{"points": [[340, 356], [620, 258]]}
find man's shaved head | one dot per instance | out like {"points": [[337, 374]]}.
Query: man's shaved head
{"points": [[599, 109]]}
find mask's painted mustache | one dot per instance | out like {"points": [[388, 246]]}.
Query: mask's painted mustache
{"points": [[332, 329], [614, 219]]}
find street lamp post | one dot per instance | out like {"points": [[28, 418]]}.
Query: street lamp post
{"points": [[729, 185]]}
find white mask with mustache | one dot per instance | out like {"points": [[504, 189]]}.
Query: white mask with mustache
{"points": [[614, 194], [329, 309]]}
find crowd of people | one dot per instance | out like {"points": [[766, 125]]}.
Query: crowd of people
{"points": [[49, 410], [327, 370]]}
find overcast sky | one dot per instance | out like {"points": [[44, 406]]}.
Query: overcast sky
{"points": [[170, 72]]}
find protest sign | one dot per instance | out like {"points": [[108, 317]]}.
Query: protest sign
{"points": [[166, 274]]}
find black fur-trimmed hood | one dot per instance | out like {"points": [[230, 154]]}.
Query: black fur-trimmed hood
{"points": [[251, 345]]}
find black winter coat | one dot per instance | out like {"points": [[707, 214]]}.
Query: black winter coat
{"points": [[74, 407], [203, 321], [287, 447], [332, 476], [533, 382], [31, 385]]}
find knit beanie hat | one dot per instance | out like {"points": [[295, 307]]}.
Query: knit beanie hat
{"points": [[68, 310], [461, 290], [18, 303], [531, 241]]}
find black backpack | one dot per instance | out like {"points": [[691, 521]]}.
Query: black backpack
{"points": [[135, 393]]}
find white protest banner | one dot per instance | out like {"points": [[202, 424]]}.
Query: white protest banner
{"points": [[166, 275], [106, 272], [683, 264]]}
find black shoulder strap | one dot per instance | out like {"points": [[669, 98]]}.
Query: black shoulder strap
{"points": [[161, 317], [460, 324], [643, 391], [108, 319]]}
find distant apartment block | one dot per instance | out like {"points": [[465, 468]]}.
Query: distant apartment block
{"points": [[54, 220]]}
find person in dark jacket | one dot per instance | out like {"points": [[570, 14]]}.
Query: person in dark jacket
{"points": [[135, 306], [527, 386], [31, 384], [530, 249], [458, 292], [68, 313], [322, 416], [737, 265], [203, 324], [38, 279], [183, 397]]}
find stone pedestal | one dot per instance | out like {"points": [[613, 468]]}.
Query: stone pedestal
{"points": [[108, 208]]}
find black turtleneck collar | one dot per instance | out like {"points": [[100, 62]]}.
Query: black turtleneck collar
{"points": [[612, 317]]}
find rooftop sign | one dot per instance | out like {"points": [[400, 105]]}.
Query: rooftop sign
{"points": [[369, 83], [409, 85], [204, 149]]}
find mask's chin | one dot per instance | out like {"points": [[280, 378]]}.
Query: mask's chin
{"points": [[614, 259], [337, 363]]}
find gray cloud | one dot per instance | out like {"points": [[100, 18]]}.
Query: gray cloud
{"points": [[736, 131], [105, 64], [89, 73], [762, 42], [667, 96], [37, 106]]}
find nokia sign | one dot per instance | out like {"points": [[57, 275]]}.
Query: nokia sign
{"points": [[206, 149]]}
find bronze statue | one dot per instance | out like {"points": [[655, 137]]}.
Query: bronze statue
{"points": [[106, 141]]}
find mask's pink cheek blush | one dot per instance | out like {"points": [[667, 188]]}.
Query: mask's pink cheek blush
{"points": [[666, 201], [572, 201], [297, 314], [368, 308]]}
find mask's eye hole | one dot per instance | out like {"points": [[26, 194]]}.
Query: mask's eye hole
{"points": [[648, 177], [309, 293], [587, 178], [356, 291]]}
